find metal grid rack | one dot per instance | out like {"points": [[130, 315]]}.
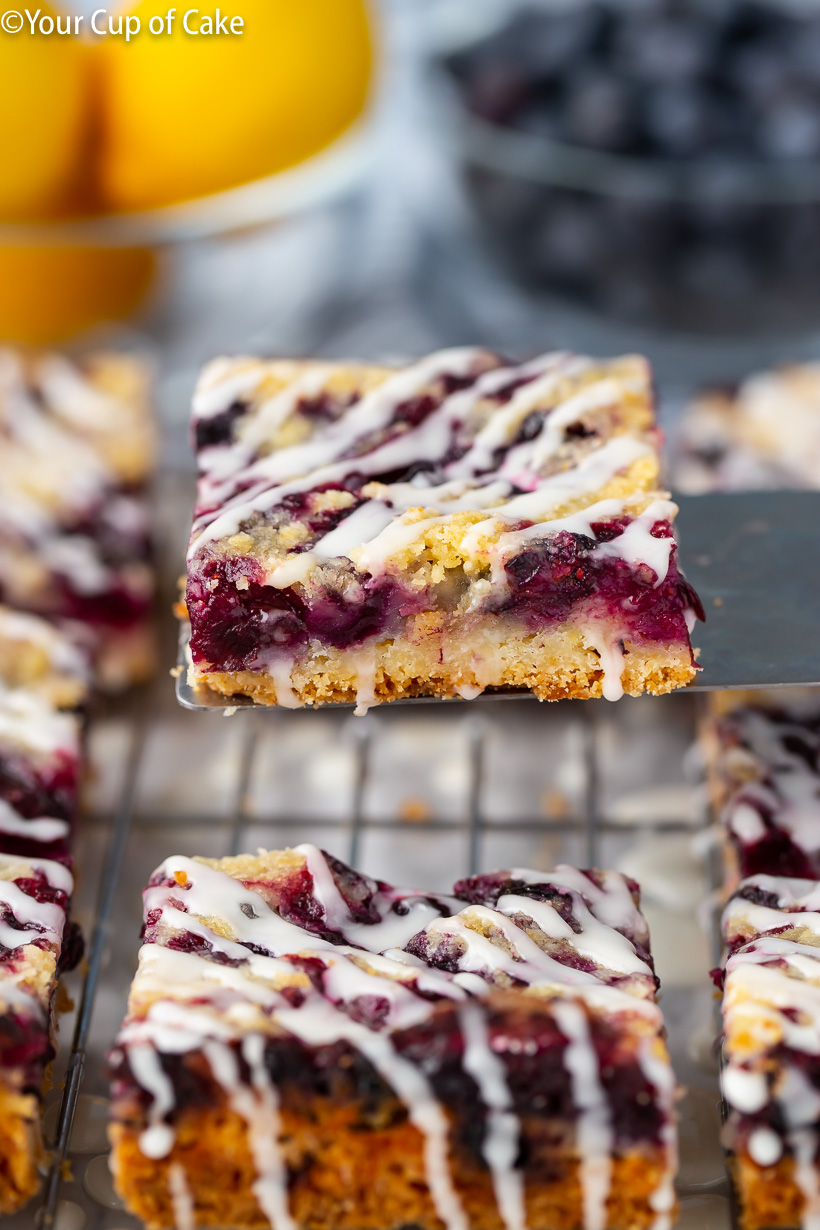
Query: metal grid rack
{"points": [[417, 795]]}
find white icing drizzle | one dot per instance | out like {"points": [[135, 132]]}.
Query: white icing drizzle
{"points": [[746, 1091], [660, 1075], [50, 470], [76, 400], [182, 1201], [594, 1125], [368, 535], [303, 467], [44, 920], [186, 1001], [771, 1012], [42, 829], [22, 1000], [593, 939], [260, 426], [798, 906], [62, 653], [28, 721], [766, 776], [64, 465], [765, 1147], [157, 1140], [502, 1133], [642, 546], [364, 663], [321, 1024], [804, 1146], [280, 669], [49, 919], [271, 1188], [611, 901], [610, 650], [221, 383], [259, 1107], [363, 525]]}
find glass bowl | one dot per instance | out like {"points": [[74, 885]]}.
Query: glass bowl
{"points": [[701, 244]]}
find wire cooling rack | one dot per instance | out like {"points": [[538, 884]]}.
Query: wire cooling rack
{"points": [[415, 795]]}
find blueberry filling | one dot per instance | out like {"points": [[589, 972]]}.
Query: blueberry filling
{"points": [[25, 1046], [548, 580], [758, 896], [529, 1045], [218, 429], [234, 629], [51, 791], [775, 854]]}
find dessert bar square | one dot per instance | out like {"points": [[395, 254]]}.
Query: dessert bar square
{"points": [[78, 447], [763, 759], [771, 1050], [366, 533], [307, 1047], [44, 679], [36, 943]]}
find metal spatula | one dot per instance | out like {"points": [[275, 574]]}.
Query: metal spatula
{"points": [[754, 558]]}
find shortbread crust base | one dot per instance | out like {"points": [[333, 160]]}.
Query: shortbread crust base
{"points": [[355, 1180], [554, 664], [768, 1196], [21, 1147]]}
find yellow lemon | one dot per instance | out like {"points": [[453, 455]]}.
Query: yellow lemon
{"points": [[193, 111], [43, 113], [49, 293]]}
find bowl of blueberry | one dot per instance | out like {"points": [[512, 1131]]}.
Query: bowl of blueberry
{"points": [[658, 160]]}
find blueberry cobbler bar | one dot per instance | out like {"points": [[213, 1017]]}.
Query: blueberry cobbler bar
{"points": [[41, 668], [763, 758], [763, 434], [771, 1048], [77, 444], [36, 942], [307, 1047], [365, 533]]}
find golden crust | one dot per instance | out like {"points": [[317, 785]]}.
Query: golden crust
{"points": [[554, 664], [357, 1180], [768, 1196], [21, 1148]]}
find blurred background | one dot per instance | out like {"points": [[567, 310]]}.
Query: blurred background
{"points": [[376, 180]]}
